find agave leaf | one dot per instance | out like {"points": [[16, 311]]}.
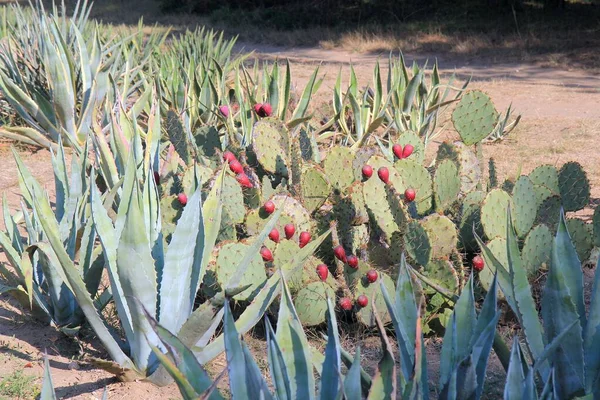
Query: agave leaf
{"points": [[279, 374], [384, 382], [513, 388], [212, 210], [352, 383], [331, 371], [365, 378], [311, 87], [47, 387], [591, 338], [294, 347]]}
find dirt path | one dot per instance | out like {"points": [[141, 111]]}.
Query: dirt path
{"points": [[561, 122]]}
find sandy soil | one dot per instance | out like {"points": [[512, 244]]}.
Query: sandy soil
{"points": [[561, 122]]}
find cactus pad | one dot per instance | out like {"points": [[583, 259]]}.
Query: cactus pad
{"points": [[417, 244], [208, 141], [471, 218], [293, 212], [546, 175], [441, 272], [581, 235], [361, 157], [574, 186], [178, 136], [311, 303], [537, 249], [525, 205], [446, 185], [493, 213], [474, 117], [442, 235], [486, 276], [271, 144], [314, 188], [233, 200], [229, 257], [373, 293], [415, 176], [541, 194], [549, 212], [468, 164], [338, 167], [418, 154]]}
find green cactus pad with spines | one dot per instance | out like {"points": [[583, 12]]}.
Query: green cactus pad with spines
{"points": [[354, 237], [338, 167], [545, 175], [537, 249], [596, 226], [356, 213], [233, 200], [171, 210], [549, 213], [581, 235], [441, 272], [208, 141], [187, 180], [469, 168], [415, 176], [458, 263], [311, 303], [271, 144], [471, 218], [442, 235], [396, 248], [293, 212], [178, 137], [486, 276], [417, 244], [541, 194], [525, 205], [267, 190], [446, 185], [227, 231], [315, 188], [374, 294], [493, 213], [284, 252], [361, 157], [418, 154], [574, 186], [383, 203], [229, 257], [474, 117], [354, 276]]}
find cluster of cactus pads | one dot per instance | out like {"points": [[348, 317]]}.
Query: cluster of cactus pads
{"points": [[380, 203]]}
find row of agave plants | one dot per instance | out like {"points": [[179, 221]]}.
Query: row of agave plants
{"points": [[196, 182]]}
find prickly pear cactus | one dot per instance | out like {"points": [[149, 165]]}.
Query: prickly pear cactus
{"points": [[442, 235], [226, 265], [271, 144], [549, 212], [293, 213], [233, 200], [525, 205], [315, 188], [581, 235], [574, 186], [471, 219], [541, 194], [178, 137], [468, 164], [417, 244], [373, 292], [311, 303], [418, 154], [207, 141], [547, 176], [171, 210], [351, 210], [446, 185], [442, 273], [283, 253], [338, 167], [415, 176], [474, 117], [361, 157], [537, 249], [493, 213]]}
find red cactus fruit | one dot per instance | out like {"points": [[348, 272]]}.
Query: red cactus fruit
{"points": [[289, 230], [384, 174], [322, 271], [266, 254], [304, 239], [236, 167], [269, 207], [266, 109], [367, 171], [478, 263], [409, 195], [274, 235], [345, 304], [397, 149], [340, 253], [182, 198], [352, 261], [228, 156], [362, 301], [243, 180], [156, 177], [224, 110], [408, 150], [372, 276]]}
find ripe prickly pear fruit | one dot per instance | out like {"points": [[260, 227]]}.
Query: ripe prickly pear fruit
{"points": [[289, 231], [362, 301], [345, 304], [269, 207], [372, 276], [243, 180], [224, 110], [384, 174], [322, 271], [478, 263], [257, 108], [340, 253], [182, 198], [408, 150], [274, 235], [409, 195], [236, 167], [304, 239], [352, 261], [367, 171], [156, 177], [228, 156], [266, 254], [397, 149], [266, 109]]}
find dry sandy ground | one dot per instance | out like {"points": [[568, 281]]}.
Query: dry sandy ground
{"points": [[561, 122]]}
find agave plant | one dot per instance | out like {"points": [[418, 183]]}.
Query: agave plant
{"points": [[562, 347]]}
